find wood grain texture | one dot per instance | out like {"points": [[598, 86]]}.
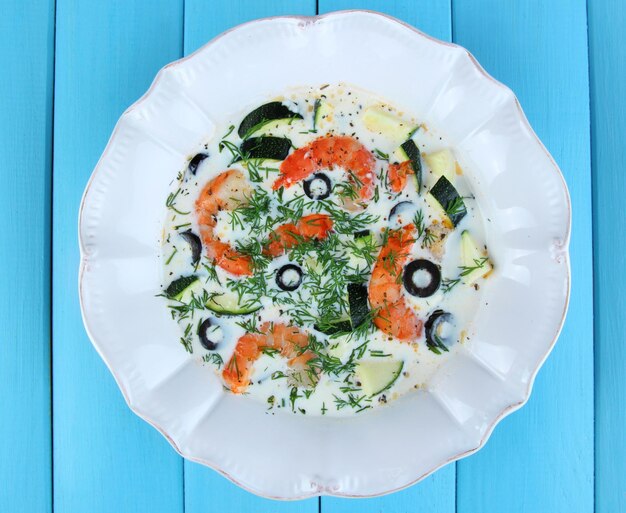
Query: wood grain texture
{"points": [[607, 23], [205, 490], [206, 20], [26, 49], [541, 458], [436, 494], [105, 458]]}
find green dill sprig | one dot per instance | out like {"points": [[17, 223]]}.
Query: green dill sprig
{"points": [[418, 221], [479, 263], [352, 401], [455, 206], [170, 202], [211, 272], [447, 284], [186, 339], [214, 359], [381, 155], [167, 262], [429, 238]]}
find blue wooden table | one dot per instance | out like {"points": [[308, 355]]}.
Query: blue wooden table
{"points": [[68, 442]]}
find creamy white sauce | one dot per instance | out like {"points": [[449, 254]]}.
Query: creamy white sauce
{"points": [[330, 395]]}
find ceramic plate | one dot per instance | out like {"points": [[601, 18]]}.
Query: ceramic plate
{"points": [[518, 187]]}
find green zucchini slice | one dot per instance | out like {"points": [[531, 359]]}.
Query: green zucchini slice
{"points": [[229, 303], [475, 263], [442, 162], [380, 120], [262, 115], [379, 375], [357, 299], [272, 148], [359, 310], [179, 286], [447, 197], [321, 111]]}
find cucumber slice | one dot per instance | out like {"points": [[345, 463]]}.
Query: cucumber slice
{"points": [[280, 127], [378, 375], [322, 113], [448, 200], [408, 150], [442, 163], [377, 119], [272, 148], [176, 290], [228, 303], [263, 115], [475, 262], [359, 307]]}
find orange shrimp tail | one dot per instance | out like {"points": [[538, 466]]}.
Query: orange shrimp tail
{"points": [[325, 153], [227, 258], [237, 372], [398, 320], [398, 174], [393, 316]]}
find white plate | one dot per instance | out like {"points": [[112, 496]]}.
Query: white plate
{"points": [[518, 186]]}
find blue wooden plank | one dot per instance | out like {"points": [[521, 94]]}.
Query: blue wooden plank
{"points": [[205, 20], [105, 458], [607, 23], [541, 458], [27, 55], [205, 490], [436, 493]]}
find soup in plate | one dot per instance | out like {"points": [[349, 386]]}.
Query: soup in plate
{"points": [[324, 253]]}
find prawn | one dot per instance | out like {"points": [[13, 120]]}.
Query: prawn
{"points": [[326, 152], [230, 190], [393, 315], [286, 236], [289, 341], [397, 175], [226, 191]]}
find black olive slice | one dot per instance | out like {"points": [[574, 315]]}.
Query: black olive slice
{"points": [[195, 162], [194, 243], [289, 277], [402, 214], [317, 187], [435, 342], [414, 274], [210, 334]]}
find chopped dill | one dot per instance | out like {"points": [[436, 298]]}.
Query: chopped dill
{"points": [[447, 284], [167, 262], [479, 263], [213, 358], [170, 202], [381, 155]]}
